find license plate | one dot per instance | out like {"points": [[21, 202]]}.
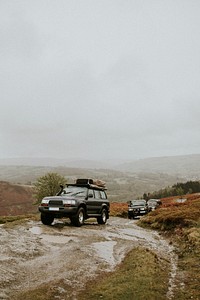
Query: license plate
{"points": [[54, 208]]}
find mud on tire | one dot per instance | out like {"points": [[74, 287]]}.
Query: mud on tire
{"points": [[47, 219], [103, 218], [78, 219]]}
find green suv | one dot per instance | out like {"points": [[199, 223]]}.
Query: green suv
{"points": [[84, 199]]}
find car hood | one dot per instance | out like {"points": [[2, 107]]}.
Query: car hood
{"points": [[137, 206]]}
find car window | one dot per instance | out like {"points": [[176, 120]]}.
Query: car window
{"points": [[103, 195], [90, 192], [137, 202], [74, 191], [97, 194]]}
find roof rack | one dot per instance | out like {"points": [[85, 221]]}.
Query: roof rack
{"points": [[95, 183]]}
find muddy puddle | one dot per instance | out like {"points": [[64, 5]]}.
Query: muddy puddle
{"points": [[51, 238], [105, 250], [73, 255]]}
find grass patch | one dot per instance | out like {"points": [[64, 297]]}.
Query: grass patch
{"points": [[50, 291], [189, 264], [15, 220], [181, 223], [119, 209], [142, 275], [169, 218]]}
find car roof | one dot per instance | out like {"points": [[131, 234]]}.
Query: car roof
{"points": [[90, 186], [139, 200], [154, 200]]}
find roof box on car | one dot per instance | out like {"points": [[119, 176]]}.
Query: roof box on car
{"points": [[84, 181], [95, 182]]}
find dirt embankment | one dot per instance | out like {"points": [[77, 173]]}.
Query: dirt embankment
{"points": [[64, 257], [16, 199]]}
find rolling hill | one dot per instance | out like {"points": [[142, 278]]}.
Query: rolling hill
{"points": [[16, 199], [125, 181], [184, 165]]}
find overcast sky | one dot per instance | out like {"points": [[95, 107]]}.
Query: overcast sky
{"points": [[99, 78]]}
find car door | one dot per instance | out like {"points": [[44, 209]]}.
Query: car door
{"points": [[97, 202], [93, 202], [90, 202]]}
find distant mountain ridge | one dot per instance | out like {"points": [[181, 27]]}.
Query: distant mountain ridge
{"points": [[58, 162], [180, 165], [184, 165]]}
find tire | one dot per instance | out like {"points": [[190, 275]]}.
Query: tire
{"points": [[103, 218], [131, 217], [47, 219], [78, 220]]}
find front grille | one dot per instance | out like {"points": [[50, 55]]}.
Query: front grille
{"points": [[55, 203]]}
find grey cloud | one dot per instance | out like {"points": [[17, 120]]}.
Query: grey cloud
{"points": [[108, 79]]}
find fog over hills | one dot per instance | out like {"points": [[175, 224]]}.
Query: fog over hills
{"points": [[57, 162], [124, 181], [185, 165], [173, 165]]}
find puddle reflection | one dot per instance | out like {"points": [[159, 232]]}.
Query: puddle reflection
{"points": [[105, 251], [36, 230]]}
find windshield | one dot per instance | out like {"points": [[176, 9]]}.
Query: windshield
{"points": [[137, 202], [152, 202], [74, 191]]}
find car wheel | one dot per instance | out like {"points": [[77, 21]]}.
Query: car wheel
{"points": [[103, 218], [78, 220], [47, 219]]}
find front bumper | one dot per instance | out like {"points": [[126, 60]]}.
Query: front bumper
{"points": [[58, 211], [136, 212]]}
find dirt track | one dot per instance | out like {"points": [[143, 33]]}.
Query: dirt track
{"points": [[35, 254]]}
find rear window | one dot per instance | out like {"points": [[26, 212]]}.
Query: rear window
{"points": [[103, 195]]}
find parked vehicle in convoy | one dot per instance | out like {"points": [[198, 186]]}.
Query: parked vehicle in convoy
{"points": [[84, 199], [153, 204], [137, 208]]}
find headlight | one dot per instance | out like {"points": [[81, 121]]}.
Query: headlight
{"points": [[69, 202], [130, 209], [45, 201], [142, 208]]}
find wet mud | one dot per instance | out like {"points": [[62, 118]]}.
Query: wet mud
{"points": [[34, 254]]}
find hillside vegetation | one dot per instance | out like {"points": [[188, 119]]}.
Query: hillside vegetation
{"points": [[177, 189], [121, 186], [181, 222]]}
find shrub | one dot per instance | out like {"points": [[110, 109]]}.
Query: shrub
{"points": [[48, 185]]}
